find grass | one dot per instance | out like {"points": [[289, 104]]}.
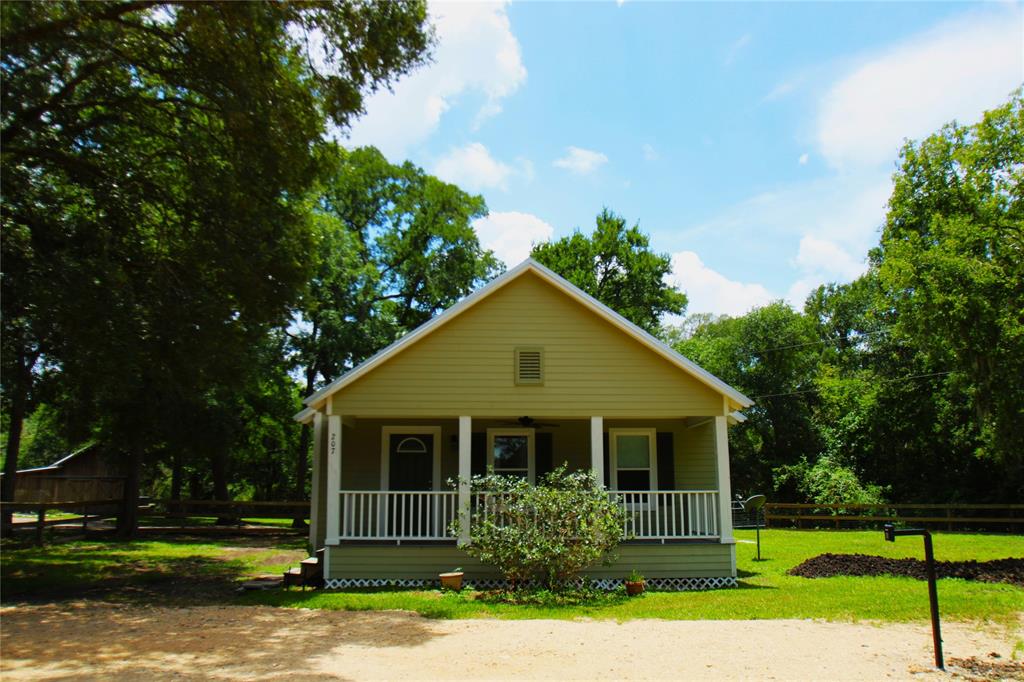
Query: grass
{"points": [[191, 570], [765, 591], [208, 521], [180, 569]]}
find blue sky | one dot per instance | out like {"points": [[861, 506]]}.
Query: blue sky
{"points": [[753, 142]]}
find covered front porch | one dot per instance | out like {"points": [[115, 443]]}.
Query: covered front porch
{"points": [[403, 481]]}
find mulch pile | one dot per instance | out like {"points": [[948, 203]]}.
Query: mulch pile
{"points": [[829, 565], [974, 668]]}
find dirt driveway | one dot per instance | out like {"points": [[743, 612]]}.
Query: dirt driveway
{"points": [[91, 641]]}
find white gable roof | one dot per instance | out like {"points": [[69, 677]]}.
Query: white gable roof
{"points": [[529, 265]]}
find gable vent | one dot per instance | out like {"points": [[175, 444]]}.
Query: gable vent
{"points": [[529, 366]]}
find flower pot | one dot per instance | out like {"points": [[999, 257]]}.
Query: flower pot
{"points": [[634, 588], [451, 581]]}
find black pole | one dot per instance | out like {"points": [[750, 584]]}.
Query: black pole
{"points": [[933, 598], [757, 529], [933, 592]]}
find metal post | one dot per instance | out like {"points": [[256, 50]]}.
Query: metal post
{"points": [[933, 598], [933, 591]]}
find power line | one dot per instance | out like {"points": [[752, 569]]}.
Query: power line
{"points": [[822, 342], [882, 381]]}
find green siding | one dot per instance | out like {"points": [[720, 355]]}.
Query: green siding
{"points": [[700, 465], [466, 367], [424, 562]]}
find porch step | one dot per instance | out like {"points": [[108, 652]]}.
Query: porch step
{"points": [[309, 572]]}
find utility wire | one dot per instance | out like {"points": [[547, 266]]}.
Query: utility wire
{"points": [[823, 342], [882, 381]]}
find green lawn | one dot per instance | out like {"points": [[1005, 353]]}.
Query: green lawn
{"points": [[181, 569], [191, 570], [765, 590]]}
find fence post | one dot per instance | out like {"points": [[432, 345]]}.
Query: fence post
{"points": [[40, 524]]}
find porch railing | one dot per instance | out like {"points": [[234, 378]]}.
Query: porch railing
{"points": [[669, 514], [649, 515], [427, 515], [397, 515]]}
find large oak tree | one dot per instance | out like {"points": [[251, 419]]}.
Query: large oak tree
{"points": [[156, 161]]}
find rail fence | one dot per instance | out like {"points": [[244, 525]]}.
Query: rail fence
{"points": [[992, 517]]}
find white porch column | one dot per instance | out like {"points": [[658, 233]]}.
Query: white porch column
{"points": [[333, 479], [597, 448], [465, 472], [314, 491], [724, 487]]}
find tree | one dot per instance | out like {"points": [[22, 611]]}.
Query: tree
{"points": [[616, 266], [951, 267], [771, 355], [394, 247], [156, 161]]}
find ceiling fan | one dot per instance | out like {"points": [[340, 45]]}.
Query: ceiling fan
{"points": [[530, 422]]}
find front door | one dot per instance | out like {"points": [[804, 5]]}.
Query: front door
{"points": [[411, 465], [410, 469]]}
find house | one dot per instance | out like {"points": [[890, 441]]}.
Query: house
{"points": [[524, 374], [88, 473]]}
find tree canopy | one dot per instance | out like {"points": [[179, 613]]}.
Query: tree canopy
{"points": [[157, 159], [615, 265], [951, 264], [395, 246]]}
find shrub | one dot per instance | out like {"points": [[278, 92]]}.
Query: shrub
{"points": [[546, 533], [829, 482]]}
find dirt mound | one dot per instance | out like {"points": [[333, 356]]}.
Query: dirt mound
{"points": [[829, 565], [977, 669]]}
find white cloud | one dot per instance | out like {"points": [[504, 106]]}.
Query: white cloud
{"points": [[476, 53], [711, 292], [820, 230], [736, 48], [581, 161], [782, 89], [473, 168], [650, 153], [821, 255], [511, 234], [956, 70]]}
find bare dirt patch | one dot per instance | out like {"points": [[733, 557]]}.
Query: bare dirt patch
{"points": [[828, 565], [88, 640]]}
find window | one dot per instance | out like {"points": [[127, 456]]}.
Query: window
{"points": [[633, 459], [529, 366], [510, 452]]}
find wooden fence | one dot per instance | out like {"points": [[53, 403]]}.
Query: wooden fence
{"points": [[234, 509], [949, 516], [87, 510]]}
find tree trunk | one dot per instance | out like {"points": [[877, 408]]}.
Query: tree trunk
{"points": [[219, 470], [13, 450], [128, 520], [300, 473], [177, 474], [195, 486]]}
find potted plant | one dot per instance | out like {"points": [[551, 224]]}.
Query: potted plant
{"points": [[635, 583], [452, 580]]}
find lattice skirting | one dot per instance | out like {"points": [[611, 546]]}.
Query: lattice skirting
{"points": [[659, 584]]}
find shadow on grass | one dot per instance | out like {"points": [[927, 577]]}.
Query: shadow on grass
{"points": [[156, 570]]}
